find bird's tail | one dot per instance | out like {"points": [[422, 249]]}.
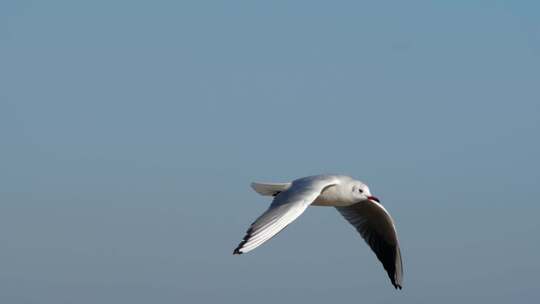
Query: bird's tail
{"points": [[270, 189]]}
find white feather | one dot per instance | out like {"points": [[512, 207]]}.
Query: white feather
{"points": [[270, 189]]}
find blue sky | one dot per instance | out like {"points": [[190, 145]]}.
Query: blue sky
{"points": [[130, 131]]}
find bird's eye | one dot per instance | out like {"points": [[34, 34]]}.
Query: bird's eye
{"points": [[360, 190]]}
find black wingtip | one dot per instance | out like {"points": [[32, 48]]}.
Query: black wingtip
{"points": [[244, 241]]}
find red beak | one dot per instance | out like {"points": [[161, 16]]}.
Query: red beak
{"points": [[373, 198]]}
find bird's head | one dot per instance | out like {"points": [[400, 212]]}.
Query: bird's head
{"points": [[360, 192]]}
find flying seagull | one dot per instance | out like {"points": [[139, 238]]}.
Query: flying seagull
{"points": [[351, 198]]}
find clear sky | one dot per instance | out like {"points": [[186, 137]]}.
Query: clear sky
{"points": [[130, 131]]}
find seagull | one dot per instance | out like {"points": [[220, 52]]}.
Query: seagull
{"points": [[350, 197]]}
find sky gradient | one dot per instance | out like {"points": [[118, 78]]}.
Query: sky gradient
{"points": [[130, 131]]}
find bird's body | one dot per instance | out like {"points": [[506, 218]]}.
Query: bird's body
{"points": [[333, 196], [352, 199]]}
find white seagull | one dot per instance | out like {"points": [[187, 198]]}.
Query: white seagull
{"points": [[351, 198]]}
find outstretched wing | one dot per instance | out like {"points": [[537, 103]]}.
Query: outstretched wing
{"points": [[377, 228], [285, 208]]}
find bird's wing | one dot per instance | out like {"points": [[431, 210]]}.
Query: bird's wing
{"points": [[377, 228], [285, 208]]}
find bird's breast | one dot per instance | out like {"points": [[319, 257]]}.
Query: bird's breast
{"points": [[331, 197]]}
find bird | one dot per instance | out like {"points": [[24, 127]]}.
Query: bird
{"points": [[352, 199]]}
